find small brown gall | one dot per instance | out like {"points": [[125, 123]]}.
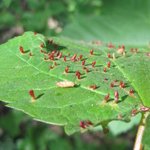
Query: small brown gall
{"points": [[65, 84]]}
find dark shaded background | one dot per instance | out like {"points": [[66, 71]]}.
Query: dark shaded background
{"points": [[44, 16]]}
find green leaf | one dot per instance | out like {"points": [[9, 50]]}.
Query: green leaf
{"points": [[7, 143], [7, 3], [121, 22], [68, 106], [118, 127], [6, 19]]}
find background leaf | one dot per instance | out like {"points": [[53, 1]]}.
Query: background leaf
{"points": [[121, 22], [118, 127]]}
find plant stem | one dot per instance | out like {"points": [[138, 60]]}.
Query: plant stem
{"points": [[140, 132]]}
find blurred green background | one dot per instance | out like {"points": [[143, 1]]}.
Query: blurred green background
{"points": [[107, 20], [44, 16]]}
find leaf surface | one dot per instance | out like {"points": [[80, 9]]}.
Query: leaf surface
{"points": [[68, 106]]}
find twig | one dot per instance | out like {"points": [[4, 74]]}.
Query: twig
{"points": [[140, 132]]}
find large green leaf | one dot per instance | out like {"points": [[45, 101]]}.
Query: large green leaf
{"points": [[68, 106], [121, 22]]}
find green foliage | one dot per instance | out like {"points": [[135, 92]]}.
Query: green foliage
{"points": [[7, 122], [34, 15], [118, 127], [31, 15], [63, 106], [121, 22]]}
